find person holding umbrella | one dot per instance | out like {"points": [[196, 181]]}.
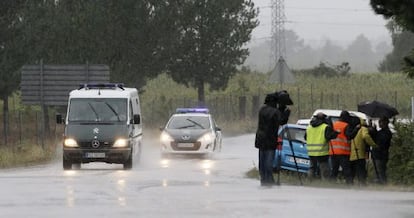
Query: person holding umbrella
{"points": [[382, 137], [380, 153]]}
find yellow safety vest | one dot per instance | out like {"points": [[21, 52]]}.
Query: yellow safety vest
{"points": [[317, 144]]}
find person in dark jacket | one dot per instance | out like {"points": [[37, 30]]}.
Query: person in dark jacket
{"points": [[270, 118], [318, 134], [380, 153]]}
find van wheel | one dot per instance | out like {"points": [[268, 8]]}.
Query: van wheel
{"points": [[67, 165], [128, 163]]}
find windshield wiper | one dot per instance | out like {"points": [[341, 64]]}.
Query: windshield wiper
{"points": [[113, 110], [185, 127], [195, 123], [94, 111]]}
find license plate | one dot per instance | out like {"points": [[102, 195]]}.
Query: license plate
{"points": [[95, 155], [185, 145], [299, 160]]}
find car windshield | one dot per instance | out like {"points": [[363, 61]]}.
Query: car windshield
{"points": [[189, 122], [295, 134], [97, 110]]}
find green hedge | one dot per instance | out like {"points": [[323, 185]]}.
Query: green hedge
{"points": [[401, 163]]}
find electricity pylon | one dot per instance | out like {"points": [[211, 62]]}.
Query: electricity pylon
{"points": [[280, 73]]}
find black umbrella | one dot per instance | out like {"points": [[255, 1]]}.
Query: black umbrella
{"points": [[377, 109]]}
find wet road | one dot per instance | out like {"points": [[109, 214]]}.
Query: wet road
{"points": [[182, 187]]}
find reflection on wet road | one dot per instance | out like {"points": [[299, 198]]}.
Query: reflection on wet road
{"points": [[181, 186]]}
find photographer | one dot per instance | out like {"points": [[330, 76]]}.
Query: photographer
{"points": [[272, 114]]}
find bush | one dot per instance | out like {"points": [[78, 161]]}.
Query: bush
{"points": [[401, 162]]}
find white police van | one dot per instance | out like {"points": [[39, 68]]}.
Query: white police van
{"points": [[103, 124]]}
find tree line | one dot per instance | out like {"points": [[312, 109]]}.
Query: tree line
{"points": [[361, 55], [196, 42]]}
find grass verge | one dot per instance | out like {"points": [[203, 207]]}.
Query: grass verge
{"points": [[292, 178], [26, 154]]}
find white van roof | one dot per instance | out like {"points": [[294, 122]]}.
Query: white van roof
{"points": [[103, 93]]}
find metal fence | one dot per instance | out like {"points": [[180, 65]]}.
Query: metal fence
{"points": [[237, 107], [25, 121]]}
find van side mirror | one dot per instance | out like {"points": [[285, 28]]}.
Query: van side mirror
{"points": [[59, 119], [137, 119]]}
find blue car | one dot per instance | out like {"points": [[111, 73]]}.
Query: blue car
{"points": [[292, 137]]}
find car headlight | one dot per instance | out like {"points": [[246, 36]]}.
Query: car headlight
{"points": [[207, 138], [120, 143], [166, 138], [69, 142]]}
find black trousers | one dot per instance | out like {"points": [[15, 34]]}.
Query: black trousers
{"points": [[319, 167], [341, 161], [358, 170], [381, 166]]}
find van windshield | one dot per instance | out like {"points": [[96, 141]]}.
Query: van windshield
{"points": [[97, 110]]}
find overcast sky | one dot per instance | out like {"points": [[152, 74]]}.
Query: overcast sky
{"points": [[341, 21]]}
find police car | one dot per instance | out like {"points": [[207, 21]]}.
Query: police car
{"points": [[190, 131]]}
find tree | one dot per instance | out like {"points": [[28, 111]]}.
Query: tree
{"points": [[132, 37], [402, 12], [359, 53], [11, 54], [403, 43], [331, 52], [210, 44]]}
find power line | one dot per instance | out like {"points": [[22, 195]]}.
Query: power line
{"points": [[330, 9], [328, 23]]}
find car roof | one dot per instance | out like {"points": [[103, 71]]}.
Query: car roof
{"points": [[292, 125], [303, 121], [337, 113], [191, 114]]}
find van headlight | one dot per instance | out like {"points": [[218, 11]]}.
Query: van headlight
{"points": [[207, 138], [69, 142], [166, 138], [121, 143]]}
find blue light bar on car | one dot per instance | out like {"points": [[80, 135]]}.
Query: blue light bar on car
{"points": [[101, 86], [192, 110]]}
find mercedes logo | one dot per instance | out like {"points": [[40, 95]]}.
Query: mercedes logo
{"points": [[95, 143], [185, 137], [96, 130]]}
